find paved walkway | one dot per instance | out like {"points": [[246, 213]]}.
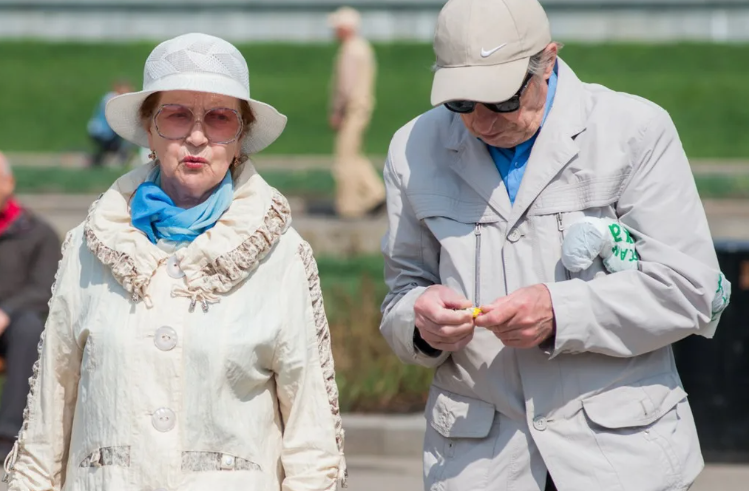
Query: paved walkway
{"points": [[378, 474]]}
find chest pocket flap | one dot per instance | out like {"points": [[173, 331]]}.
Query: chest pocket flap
{"points": [[631, 407], [433, 205], [587, 191]]}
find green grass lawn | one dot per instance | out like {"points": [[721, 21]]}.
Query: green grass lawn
{"points": [[301, 183], [49, 90]]}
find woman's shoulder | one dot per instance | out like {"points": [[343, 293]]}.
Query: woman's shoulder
{"points": [[291, 247]]}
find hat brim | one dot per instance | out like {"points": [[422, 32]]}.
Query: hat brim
{"points": [[122, 115], [494, 83]]}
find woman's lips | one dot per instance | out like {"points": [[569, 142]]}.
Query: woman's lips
{"points": [[194, 162]]}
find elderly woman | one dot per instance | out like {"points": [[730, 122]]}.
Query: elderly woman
{"points": [[187, 346]]}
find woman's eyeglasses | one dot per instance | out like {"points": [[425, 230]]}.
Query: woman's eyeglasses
{"points": [[509, 106], [221, 125]]}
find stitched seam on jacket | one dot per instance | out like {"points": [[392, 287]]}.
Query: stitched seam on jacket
{"points": [[325, 349]]}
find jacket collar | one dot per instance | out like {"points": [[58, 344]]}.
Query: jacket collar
{"points": [[554, 149], [213, 263]]}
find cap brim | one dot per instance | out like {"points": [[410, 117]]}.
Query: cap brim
{"points": [[122, 115], [495, 83]]}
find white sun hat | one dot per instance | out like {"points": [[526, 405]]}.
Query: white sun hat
{"points": [[200, 63]]}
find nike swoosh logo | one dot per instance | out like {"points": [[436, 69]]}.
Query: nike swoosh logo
{"points": [[487, 54]]}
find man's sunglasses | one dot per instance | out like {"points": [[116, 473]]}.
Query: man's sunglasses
{"points": [[509, 106]]}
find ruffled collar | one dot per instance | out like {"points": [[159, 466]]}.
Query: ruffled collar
{"points": [[213, 263]]}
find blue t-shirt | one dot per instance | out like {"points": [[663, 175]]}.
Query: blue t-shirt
{"points": [[97, 125], [511, 162]]}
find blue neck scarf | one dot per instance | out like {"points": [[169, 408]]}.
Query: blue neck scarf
{"points": [[155, 214]]}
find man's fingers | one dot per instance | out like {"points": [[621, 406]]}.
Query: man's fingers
{"points": [[444, 333], [449, 317], [495, 315], [453, 300], [456, 345]]}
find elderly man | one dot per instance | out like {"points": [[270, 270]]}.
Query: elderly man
{"points": [[563, 380], [29, 252], [359, 189]]}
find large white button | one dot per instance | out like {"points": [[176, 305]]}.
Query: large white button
{"points": [[539, 424], [173, 269], [514, 235], [165, 338], [164, 419]]}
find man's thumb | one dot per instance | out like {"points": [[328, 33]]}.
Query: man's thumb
{"points": [[454, 300]]}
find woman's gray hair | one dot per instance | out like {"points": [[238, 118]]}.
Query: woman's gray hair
{"points": [[541, 61]]}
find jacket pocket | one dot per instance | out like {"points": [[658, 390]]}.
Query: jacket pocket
{"points": [[460, 442], [632, 407], [639, 429], [563, 204], [107, 456], [216, 461]]}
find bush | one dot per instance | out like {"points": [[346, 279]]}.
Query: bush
{"points": [[370, 377]]}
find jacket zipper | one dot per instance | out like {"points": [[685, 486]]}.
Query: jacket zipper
{"points": [[560, 227], [477, 275]]}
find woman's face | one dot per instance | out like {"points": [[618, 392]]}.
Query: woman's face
{"points": [[197, 159]]}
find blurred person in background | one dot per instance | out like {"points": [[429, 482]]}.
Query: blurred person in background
{"points": [[104, 139], [546, 378], [359, 188], [187, 345], [29, 253]]}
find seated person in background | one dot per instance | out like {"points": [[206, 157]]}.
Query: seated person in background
{"points": [[29, 252], [105, 140]]}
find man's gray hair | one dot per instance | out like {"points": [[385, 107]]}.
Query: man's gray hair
{"points": [[541, 61]]}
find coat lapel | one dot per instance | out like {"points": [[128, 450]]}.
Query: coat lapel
{"points": [[476, 167], [555, 146]]}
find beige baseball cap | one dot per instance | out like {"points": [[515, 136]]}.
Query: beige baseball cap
{"points": [[345, 17], [483, 48]]}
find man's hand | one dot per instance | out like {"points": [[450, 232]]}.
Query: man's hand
{"points": [[4, 321], [441, 319], [335, 121], [523, 319]]}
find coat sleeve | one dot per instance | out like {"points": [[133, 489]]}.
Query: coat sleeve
{"points": [[670, 295], [39, 457], [312, 454], [35, 294], [411, 265]]}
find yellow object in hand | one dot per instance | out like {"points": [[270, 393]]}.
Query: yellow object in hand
{"points": [[475, 311]]}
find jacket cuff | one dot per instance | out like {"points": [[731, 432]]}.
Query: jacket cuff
{"points": [[424, 347], [569, 318], [402, 321]]}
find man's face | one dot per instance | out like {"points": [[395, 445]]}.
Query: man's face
{"points": [[507, 130], [7, 186], [342, 33]]}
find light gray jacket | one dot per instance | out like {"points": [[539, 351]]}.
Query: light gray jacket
{"points": [[603, 408]]}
